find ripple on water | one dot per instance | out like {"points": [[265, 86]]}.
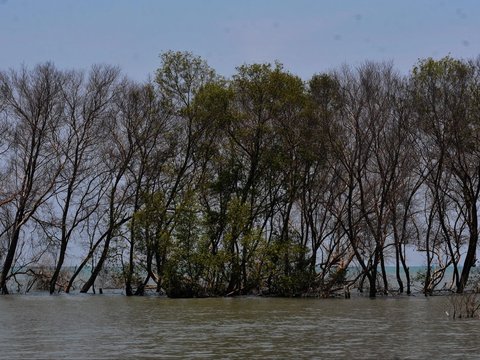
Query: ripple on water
{"points": [[114, 327]]}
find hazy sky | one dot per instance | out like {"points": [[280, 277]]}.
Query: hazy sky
{"points": [[307, 36]]}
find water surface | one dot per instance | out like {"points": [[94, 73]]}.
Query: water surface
{"points": [[116, 327]]}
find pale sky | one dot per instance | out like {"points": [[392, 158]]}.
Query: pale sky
{"points": [[307, 36]]}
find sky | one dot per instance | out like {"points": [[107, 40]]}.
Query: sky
{"points": [[307, 36]]}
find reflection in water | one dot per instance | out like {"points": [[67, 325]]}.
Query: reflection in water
{"points": [[112, 327]]}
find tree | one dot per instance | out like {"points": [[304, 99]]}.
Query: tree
{"points": [[178, 80], [322, 189], [33, 106], [446, 98], [149, 135], [117, 154], [370, 149], [77, 190]]}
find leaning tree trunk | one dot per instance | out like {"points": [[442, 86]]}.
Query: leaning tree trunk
{"points": [[98, 267], [470, 258], [7, 265]]}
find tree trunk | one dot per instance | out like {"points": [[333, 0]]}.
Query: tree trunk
{"points": [[7, 265], [384, 274], [98, 267], [470, 258], [397, 268], [406, 270], [58, 267], [372, 280]]}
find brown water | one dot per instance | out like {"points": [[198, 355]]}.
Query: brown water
{"points": [[116, 327]]}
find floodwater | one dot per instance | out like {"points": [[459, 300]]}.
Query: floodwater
{"points": [[117, 327]]}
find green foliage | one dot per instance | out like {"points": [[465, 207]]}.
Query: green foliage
{"points": [[326, 92], [447, 67], [441, 92], [148, 223], [213, 103], [181, 75], [284, 268]]}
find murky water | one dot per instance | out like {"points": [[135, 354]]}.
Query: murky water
{"points": [[115, 327]]}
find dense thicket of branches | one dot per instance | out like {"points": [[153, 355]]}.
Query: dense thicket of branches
{"points": [[259, 183]]}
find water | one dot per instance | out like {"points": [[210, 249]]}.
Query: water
{"points": [[117, 327]]}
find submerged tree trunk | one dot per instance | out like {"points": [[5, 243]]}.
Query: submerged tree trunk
{"points": [[470, 258], [91, 280], [397, 268], [9, 260], [384, 274]]}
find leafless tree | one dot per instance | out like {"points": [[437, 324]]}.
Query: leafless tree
{"points": [[79, 187], [446, 101], [34, 108]]}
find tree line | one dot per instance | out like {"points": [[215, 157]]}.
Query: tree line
{"points": [[259, 183]]}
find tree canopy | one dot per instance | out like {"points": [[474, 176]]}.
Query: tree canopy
{"points": [[261, 183]]}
